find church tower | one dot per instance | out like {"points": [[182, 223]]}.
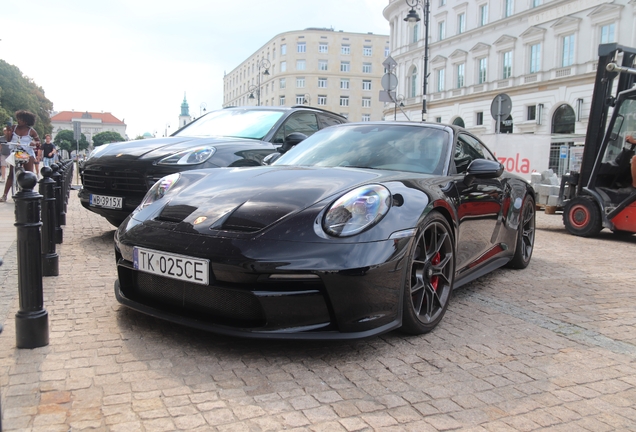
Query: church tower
{"points": [[184, 117]]}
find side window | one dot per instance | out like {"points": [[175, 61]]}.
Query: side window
{"points": [[478, 148], [303, 122], [326, 121], [467, 149]]}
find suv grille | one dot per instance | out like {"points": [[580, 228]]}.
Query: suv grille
{"points": [[110, 180]]}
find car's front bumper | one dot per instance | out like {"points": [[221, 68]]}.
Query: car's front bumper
{"points": [[129, 204]]}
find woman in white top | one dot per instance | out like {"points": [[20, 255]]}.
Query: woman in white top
{"points": [[26, 138]]}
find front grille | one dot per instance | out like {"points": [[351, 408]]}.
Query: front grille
{"points": [[115, 181], [210, 303]]}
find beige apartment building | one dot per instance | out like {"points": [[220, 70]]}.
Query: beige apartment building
{"points": [[333, 70]]}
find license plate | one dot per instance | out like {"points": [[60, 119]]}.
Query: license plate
{"points": [[106, 201], [180, 267]]}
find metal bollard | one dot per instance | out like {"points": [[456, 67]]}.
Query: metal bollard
{"points": [[50, 259], [59, 234], [31, 320]]}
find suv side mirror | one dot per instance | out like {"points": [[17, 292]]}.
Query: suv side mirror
{"points": [[270, 158], [291, 140], [484, 169]]}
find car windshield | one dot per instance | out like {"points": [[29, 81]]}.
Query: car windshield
{"points": [[239, 123], [391, 147]]}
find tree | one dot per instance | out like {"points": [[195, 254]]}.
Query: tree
{"points": [[18, 92], [64, 141], [107, 137]]}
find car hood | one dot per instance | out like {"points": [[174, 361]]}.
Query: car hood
{"points": [[250, 199], [159, 147]]}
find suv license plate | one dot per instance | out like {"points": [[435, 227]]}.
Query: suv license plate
{"points": [[180, 267], [105, 201]]}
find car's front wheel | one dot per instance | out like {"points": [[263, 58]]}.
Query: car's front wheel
{"points": [[429, 284], [525, 235]]}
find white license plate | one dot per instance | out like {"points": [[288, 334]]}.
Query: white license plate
{"points": [[180, 267], [106, 201]]}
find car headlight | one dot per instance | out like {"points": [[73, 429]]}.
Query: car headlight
{"points": [[357, 210], [158, 190], [189, 157]]}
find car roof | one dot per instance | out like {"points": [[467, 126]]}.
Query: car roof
{"points": [[285, 109]]}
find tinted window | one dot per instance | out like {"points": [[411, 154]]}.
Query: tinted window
{"points": [[233, 123], [303, 122], [326, 121], [467, 149]]}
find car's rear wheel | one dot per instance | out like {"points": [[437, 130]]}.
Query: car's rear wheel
{"points": [[525, 235], [429, 283], [582, 217]]}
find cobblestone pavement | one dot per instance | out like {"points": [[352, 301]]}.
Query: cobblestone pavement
{"points": [[552, 347]]}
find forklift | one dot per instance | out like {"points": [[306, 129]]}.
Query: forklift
{"points": [[601, 195]]}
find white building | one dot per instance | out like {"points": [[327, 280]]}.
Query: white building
{"points": [[541, 53], [91, 123], [333, 70]]}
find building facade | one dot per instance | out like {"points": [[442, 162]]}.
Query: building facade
{"points": [[91, 123], [333, 70], [541, 53]]}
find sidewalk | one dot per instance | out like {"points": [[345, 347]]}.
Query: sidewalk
{"points": [[549, 347]]}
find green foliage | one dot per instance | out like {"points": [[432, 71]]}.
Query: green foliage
{"points": [[64, 140], [20, 92], [107, 137]]}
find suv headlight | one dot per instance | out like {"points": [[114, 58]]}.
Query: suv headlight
{"points": [[158, 190], [189, 157], [357, 210]]}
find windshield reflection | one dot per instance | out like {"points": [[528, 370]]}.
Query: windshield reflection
{"points": [[254, 124]]}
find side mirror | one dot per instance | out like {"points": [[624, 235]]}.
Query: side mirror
{"points": [[291, 140], [270, 158], [484, 169]]}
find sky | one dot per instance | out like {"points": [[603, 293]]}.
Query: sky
{"points": [[137, 58]]}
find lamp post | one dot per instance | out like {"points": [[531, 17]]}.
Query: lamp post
{"points": [[399, 100], [166, 130], [306, 99], [253, 89], [262, 64], [413, 17], [202, 108]]}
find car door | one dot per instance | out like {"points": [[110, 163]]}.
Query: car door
{"points": [[479, 209]]}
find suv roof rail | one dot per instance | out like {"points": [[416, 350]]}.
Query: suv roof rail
{"points": [[319, 109]]}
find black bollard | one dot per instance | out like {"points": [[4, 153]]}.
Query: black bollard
{"points": [[50, 259], [32, 320], [59, 234]]}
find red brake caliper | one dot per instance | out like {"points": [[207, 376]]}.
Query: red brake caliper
{"points": [[435, 279]]}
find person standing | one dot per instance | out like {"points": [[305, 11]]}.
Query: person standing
{"points": [[48, 151], [22, 137]]}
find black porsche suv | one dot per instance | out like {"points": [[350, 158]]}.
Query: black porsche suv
{"points": [[115, 177]]}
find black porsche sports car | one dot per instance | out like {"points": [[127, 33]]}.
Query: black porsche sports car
{"points": [[358, 230], [116, 177]]}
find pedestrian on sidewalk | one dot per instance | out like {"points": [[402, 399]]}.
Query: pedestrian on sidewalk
{"points": [[48, 151], [21, 137]]}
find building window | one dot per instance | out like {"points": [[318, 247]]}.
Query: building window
{"points": [[300, 99], [536, 3], [480, 118], [413, 83], [366, 84], [281, 100], [442, 2], [281, 83], [300, 64], [535, 58], [344, 84], [507, 65], [283, 66], [301, 47], [367, 51], [416, 32], [387, 51], [283, 49], [461, 23], [567, 56], [366, 102], [532, 112], [460, 75], [607, 33], [366, 67], [345, 49], [323, 48], [322, 100], [274, 54], [344, 66], [508, 8], [322, 82], [300, 82], [483, 14], [366, 117], [322, 65], [438, 119], [441, 30], [440, 79], [344, 100], [482, 75]]}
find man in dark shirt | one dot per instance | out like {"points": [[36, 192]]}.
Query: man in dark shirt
{"points": [[48, 151]]}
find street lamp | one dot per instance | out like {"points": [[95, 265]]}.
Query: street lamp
{"points": [[413, 17], [306, 99], [202, 108], [166, 130], [263, 64], [251, 90], [399, 100]]}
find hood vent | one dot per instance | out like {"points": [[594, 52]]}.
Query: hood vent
{"points": [[176, 213]]}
